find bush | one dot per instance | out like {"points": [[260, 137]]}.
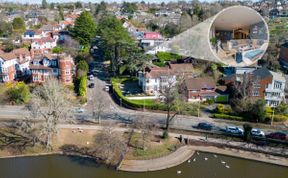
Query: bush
{"points": [[57, 50], [226, 116], [165, 134], [18, 93], [82, 86], [83, 100], [276, 118], [221, 109]]}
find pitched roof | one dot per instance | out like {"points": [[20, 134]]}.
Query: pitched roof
{"points": [[157, 72], [262, 73], [172, 69], [21, 51], [199, 83], [8, 56], [44, 40], [182, 68]]}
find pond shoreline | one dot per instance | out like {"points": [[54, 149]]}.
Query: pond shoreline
{"points": [[186, 151]]}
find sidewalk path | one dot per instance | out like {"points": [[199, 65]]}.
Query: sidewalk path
{"points": [[179, 156]]}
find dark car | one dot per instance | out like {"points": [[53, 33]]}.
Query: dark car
{"points": [[278, 135], [91, 85], [205, 126]]}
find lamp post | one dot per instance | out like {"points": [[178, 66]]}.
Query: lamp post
{"points": [[272, 117]]}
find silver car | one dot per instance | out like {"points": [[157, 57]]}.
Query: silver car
{"points": [[257, 133]]}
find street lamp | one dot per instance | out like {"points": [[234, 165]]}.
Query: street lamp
{"points": [[272, 117]]}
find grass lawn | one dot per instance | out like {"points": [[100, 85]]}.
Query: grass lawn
{"points": [[145, 101], [156, 147]]}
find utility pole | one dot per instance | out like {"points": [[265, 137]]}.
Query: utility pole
{"points": [[199, 109]]}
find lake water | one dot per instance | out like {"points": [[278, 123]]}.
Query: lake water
{"points": [[57, 166]]}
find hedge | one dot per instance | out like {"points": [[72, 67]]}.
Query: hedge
{"points": [[277, 118], [226, 116], [135, 104]]}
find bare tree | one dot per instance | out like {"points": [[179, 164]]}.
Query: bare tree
{"points": [[170, 95], [71, 46], [110, 145], [51, 103], [145, 127], [98, 102]]}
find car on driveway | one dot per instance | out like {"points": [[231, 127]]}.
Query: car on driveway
{"points": [[257, 133], [91, 77], [234, 130], [205, 126], [107, 88], [278, 135], [91, 85]]}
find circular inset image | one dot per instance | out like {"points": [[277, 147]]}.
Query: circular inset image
{"points": [[238, 36]]}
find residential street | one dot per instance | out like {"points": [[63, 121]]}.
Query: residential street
{"points": [[121, 114]]}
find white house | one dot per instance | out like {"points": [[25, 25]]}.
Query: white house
{"points": [[157, 78], [7, 67], [33, 34], [274, 91], [43, 45]]}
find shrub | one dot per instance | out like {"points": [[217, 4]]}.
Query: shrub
{"points": [[57, 50], [226, 116], [277, 118], [165, 134], [18, 93], [222, 109], [82, 86], [83, 100]]}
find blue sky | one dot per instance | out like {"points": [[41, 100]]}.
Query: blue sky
{"points": [[39, 1]]}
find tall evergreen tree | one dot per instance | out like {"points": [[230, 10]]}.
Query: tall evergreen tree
{"points": [[115, 38], [44, 4], [84, 28]]}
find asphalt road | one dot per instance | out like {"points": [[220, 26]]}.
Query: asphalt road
{"points": [[114, 112]]}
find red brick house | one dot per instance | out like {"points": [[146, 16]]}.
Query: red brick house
{"points": [[55, 66], [200, 89]]}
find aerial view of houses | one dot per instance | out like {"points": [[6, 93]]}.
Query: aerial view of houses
{"points": [[143, 88]]}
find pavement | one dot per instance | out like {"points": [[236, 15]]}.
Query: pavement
{"points": [[178, 157]]}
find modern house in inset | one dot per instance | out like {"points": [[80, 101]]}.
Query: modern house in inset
{"points": [[239, 36]]}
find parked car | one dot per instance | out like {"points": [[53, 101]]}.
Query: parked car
{"points": [[91, 85], [278, 135], [205, 126], [91, 77], [106, 88], [234, 130], [257, 133], [79, 110]]}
